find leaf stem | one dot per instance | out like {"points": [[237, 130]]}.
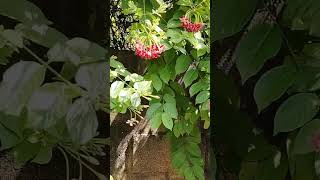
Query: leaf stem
{"points": [[67, 163], [51, 69]]}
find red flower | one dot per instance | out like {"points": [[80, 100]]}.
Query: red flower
{"points": [[152, 52], [189, 26]]}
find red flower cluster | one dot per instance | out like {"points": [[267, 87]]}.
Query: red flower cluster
{"points": [[189, 26], [152, 52]]}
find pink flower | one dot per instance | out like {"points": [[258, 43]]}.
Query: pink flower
{"points": [[152, 52], [189, 26]]}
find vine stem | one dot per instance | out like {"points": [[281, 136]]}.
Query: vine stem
{"points": [[72, 153], [80, 167], [50, 68], [67, 162]]}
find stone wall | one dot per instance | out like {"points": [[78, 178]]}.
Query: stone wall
{"points": [[151, 159]]}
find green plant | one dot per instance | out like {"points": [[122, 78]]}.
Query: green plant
{"points": [[39, 114], [284, 50], [178, 71]]}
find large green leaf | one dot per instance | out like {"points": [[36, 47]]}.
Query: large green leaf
{"points": [[10, 130], [41, 34], [19, 82], [82, 121], [259, 45], [165, 75], [115, 88], [23, 11], [304, 167], [303, 15], [156, 120], [44, 155], [171, 109], [295, 112], [302, 143], [182, 64], [93, 77], [307, 79], [202, 97], [47, 105], [152, 110], [190, 76], [272, 85], [77, 51], [167, 121], [25, 151], [198, 86], [156, 82], [231, 16]]}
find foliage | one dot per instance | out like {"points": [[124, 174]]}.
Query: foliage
{"points": [[179, 97], [39, 114], [281, 57]]}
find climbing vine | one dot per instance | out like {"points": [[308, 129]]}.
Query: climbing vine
{"points": [[275, 106], [174, 40]]}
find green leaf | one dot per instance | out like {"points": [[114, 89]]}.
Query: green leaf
{"points": [[226, 23], [175, 35], [156, 82], [115, 88], [304, 167], [10, 130], [152, 109], [93, 77], [14, 37], [68, 70], [5, 52], [198, 86], [272, 85], [135, 100], [182, 64], [156, 120], [46, 105], [295, 112], [82, 121], [202, 97], [44, 155], [19, 82], [185, 3], [169, 98], [173, 23], [204, 66], [193, 149], [165, 75], [259, 45], [303, 15], [144, 88], [302, 142], [23, 11], [171, 109], [7, 138], [78, 51], [41, 34], [167, 121], [190, 76], [25, 151]]}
